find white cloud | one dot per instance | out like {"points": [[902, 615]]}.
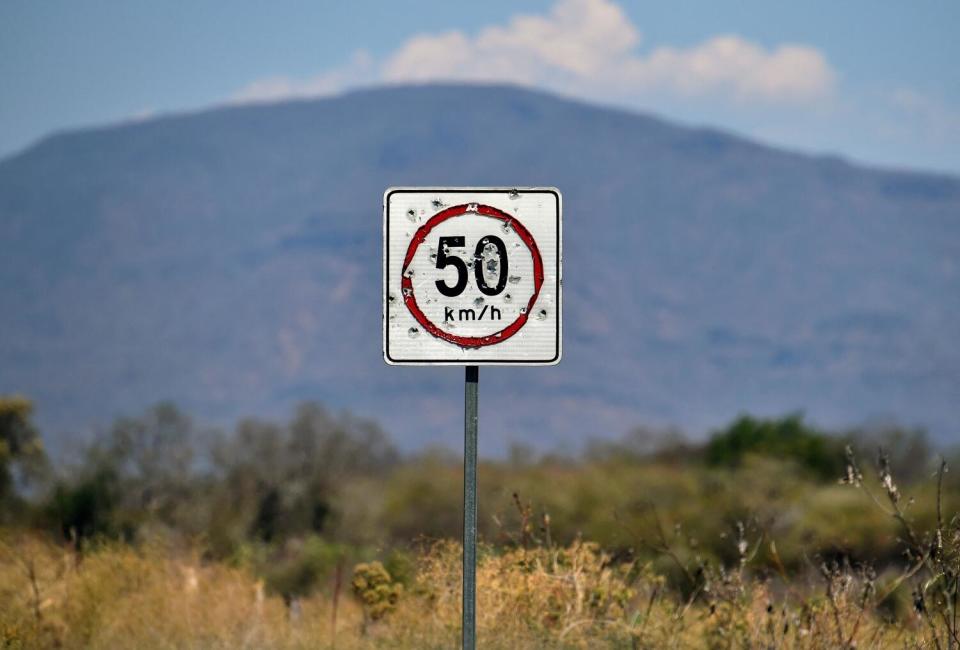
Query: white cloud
{"points": [[142, 115], [585, 47], [913, 117], [577, 39], [931, 110], [738, 68], [273, 89], [591, 46], [786, 93]]}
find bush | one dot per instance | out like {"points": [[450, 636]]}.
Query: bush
{"points": [[787, 438]]}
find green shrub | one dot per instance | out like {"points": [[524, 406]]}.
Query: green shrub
{"points": [[787, 438]]}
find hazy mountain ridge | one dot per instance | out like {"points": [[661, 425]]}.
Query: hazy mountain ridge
{"points": [[220, 258]]}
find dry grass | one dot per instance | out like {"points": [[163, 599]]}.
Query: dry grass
{"points": [[117, 596]]}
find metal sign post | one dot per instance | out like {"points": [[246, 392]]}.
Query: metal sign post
{"points": [[471, 277], [470, 508]]}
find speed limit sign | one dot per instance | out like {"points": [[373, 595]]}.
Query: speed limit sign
{"points": [[472, 276]]}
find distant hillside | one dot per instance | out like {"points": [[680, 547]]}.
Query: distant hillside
{"points": [[230, 260]]}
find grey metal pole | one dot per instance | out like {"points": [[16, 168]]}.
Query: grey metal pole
{"points": [[470, 509]]}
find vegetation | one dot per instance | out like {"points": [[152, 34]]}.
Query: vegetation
{"points": [[318, 533], [787, 437], [22, 457]]}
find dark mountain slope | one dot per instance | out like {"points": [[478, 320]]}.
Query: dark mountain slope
{"points": [[230, 260]]}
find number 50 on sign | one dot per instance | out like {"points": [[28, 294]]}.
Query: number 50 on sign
{"points": [[472, 276]]}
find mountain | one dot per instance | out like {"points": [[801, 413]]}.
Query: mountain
{"points": [[230, 260]]}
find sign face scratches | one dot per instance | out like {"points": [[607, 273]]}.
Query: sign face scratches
{"points": [[471, 276]]}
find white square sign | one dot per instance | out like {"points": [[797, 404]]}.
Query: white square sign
{"points": [[471, 276]]}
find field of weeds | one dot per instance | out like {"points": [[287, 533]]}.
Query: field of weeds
{"points": [[118, 596], [319, 534]]}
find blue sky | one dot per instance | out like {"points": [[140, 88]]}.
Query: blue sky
{"points": [[876, 80]]}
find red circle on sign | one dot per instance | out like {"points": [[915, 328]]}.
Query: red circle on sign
{"points": [[410, 298]]}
